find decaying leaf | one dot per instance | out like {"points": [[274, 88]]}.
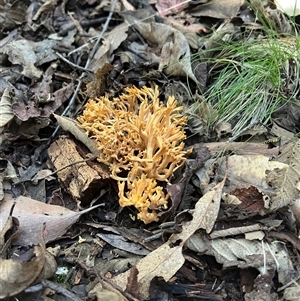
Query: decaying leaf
{"points": [[238, 252], [26, 111], [97, 87], [243, 172], [70, 125], [30, 54], [8, 232], [292, 293], [46, 7], [122, 243], [106, 292], [5, 107], [286, 180], [171, 7], [57, 99], [175, 50], [32, 215], [49, 269], [15, 276], [12, 14], [111, 42], [7, 173], [221, 9], [167, 259]]}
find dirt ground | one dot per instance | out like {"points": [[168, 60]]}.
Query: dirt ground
{"points": [[123, 177]]}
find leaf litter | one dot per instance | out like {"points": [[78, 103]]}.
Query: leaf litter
{"points": [[228, 226]]}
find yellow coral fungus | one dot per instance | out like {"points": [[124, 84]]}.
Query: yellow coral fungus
{"points": [[145, 196], [137, 133]]}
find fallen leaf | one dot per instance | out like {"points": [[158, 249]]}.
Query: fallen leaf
{"points": [[239, 251], [292, 293], [9, 231], [286, 180], [290, 7], [122, 243], [33, 214], [16, 276], [44, 174], [244, 171], [5, 107], [167, 7], [70, 125], [46, 7], [262, 288], [42, 90], [7, 173], [58, 98], [219, 9], [167, 259], [30, 54], [13, 14], [26, 111], [110, 43], [175, 50], [106, 292]]}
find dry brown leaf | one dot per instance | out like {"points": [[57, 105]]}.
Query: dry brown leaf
{"points": [[175, 50], [46, 7], [106, 292], [166, 260], [284, 134], [292, 293], [30, 54], [167, 7], [239, 252], [5, 107], [12, 14], [244, 171], [286, 180], [49, 269], [26, 111], [220, 9], [57, 99], [33, 214], [110, 43], [189, 31], [127, 5], [70, 125], [16, 276], [120, 242], [9, 231], [8, 173]]}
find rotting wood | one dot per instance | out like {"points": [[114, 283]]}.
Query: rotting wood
{"points": [[82, 180]]}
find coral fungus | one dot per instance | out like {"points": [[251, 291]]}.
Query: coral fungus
{"points": [[139, 135]]}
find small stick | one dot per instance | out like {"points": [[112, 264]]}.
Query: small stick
{"points": [[72, 64], [59, 289], [62, 168], [91, 55]]}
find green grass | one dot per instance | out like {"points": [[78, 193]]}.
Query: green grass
{"points": [[251, 75], [248, 81]]}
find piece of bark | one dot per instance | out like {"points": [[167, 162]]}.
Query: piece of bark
{"points": [[82, 180]]}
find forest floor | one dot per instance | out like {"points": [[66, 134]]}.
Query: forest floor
{"points": [[149, 150]]}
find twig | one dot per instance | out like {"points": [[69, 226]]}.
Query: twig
{"points": [[69, 165], [91, 55], [58, 170], [59, 289], [91, 272], [72, 64]]}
